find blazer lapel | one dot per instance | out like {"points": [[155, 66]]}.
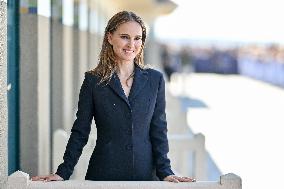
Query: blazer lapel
{"points": [[117, 88], [140, 79]]}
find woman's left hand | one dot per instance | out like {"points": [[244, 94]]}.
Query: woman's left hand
{"points": [[176, 179]]}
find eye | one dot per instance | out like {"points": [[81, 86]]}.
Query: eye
{"points": [[138, 38], [124, 37]]}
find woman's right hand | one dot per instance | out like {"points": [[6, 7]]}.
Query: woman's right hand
{"points": [[47, 178]]}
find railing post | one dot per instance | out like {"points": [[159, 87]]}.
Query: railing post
{"points": [[231, 181], [200, 157], [18, 180], [60, 139], [180, 146]]}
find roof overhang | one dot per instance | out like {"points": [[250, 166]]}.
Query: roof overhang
{"points": [[148, 9]]}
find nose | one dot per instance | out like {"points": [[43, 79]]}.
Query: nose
{"points": [[131, 43]]}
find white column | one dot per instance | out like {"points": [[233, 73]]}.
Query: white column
{"points": [[35, 93], [68, 11], [43, 104], [68, 116]]}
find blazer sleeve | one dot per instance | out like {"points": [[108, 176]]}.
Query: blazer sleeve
{"points": [[80, 130], [158, 134]]}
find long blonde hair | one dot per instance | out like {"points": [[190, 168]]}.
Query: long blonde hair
{"points": [[107, 65]]}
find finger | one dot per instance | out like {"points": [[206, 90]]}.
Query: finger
{"points": [[185, 179], [54, 178], [188, 179], [172, 179], [182, 179], [48, 179], [37, 178], [51, 178]]}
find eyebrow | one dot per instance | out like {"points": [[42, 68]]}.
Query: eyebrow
{"points": [[128, 35]]}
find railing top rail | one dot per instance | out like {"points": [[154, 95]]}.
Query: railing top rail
{"points": [[21, 180], [121, 185]]}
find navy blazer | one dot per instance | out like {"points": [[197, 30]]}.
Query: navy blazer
{"points": [[132, 142]]}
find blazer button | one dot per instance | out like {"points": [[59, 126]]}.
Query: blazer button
{"points": [[129, 147], [129, 131]]}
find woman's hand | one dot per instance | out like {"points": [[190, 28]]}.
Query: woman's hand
{"points": [[176, 179], [47, 178]]}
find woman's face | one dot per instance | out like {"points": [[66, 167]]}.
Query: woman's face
{"points": [[126, 41]]}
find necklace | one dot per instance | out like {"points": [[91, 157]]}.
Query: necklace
{"points": [[128, 79]]}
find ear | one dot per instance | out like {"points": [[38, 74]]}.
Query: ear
{"points": [[109, 38]]}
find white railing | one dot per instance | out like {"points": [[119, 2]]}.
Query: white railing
{"points": [[176, 118], [21, 180], [187, 150], [60, 139], [187, 154]]}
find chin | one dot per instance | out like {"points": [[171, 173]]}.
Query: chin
{"points": [[128, 59]]}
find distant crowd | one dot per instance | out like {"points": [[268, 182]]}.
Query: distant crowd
{"points": [[262, 62]]}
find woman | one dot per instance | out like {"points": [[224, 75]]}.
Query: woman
{"points": [[127, 102]]}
